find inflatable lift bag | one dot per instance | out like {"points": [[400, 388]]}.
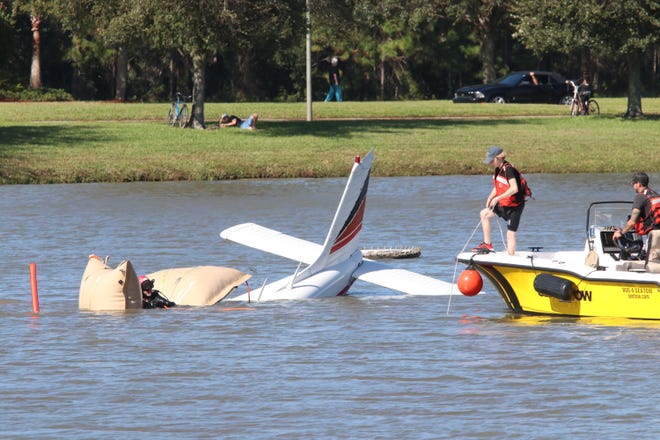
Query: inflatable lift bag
{"points": [[197, 286], [105, 288]]}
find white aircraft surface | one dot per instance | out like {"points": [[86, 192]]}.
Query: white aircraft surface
{"points": [[331, 268]]}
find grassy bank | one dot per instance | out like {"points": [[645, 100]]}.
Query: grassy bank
{"points": [[91, 141]]}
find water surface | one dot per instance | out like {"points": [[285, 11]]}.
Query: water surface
{"points": [[372, 365]]}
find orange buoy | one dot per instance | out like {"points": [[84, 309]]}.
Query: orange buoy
{"points": [[470, 281], [33, 284]]}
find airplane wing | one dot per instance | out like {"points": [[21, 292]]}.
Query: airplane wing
{"points": [[403, 280], [274, 242]]}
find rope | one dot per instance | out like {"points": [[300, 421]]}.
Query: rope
{"points": [[499, 225], [453, 283], [474, 231], [453, 279]]}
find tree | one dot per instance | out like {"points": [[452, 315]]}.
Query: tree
{"points": [[263, 51], [486, 18], [36, 10], [379, 36], [35, 70], [121, 26], [623, 31], [87, 53], [199, 29], [7, 42], [191, 28]]}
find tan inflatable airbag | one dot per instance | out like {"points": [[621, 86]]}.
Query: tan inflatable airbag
{"points": [[105, 288], [197, 286]]}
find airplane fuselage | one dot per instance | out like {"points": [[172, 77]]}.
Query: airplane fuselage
{"points": [[332, 281]]}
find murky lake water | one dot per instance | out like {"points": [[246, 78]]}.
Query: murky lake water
{"points": [[372, 365]]}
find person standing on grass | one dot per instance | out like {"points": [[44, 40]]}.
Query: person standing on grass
{"points": [[335, 81], [506, 200]]}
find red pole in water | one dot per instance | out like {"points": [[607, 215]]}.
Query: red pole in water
{"points": [[33, 283]]}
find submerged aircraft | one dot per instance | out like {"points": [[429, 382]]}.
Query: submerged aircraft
{"points": [[334, 266]]}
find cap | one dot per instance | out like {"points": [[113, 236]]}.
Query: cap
{"points": [[224, 115], [492, 153], [142, 278], [335, 60], [642, 178]]}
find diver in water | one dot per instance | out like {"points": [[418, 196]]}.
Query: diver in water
{"points": [[152, 298]]}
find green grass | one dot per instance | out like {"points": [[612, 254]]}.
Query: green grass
{"points": [[93, 141], [111, 111]]}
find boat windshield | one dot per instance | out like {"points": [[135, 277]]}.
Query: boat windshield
{"points": [[608, 214]]}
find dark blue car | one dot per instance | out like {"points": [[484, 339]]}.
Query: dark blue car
{"points": [[519, 87]]}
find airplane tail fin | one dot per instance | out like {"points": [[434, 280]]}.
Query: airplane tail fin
{"points": [[342, 240]]}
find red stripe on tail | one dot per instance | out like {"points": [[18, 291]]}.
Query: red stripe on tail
{"points": [[351, 229]]}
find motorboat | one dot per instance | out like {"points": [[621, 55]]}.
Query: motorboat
{"points": [[607, 278]]}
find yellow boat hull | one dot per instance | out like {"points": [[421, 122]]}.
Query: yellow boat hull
{"points": [[605, 298]]}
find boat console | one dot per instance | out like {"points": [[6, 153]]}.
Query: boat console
{"points": [[612, 254], [607, 240], [602, 242]]}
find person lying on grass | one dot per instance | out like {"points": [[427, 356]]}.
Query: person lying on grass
{"points": [[234, 121]]}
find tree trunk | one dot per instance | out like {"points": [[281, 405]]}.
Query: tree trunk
{"points": [[634, 86], [487, 54], [121, 75], [199, 77], [172, 79], [35, 69], [77, 80], [382, 80]]}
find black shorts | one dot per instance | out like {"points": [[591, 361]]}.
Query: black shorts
{"points": [[511, 214]]}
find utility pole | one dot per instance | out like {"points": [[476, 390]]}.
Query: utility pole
{"points": [[309, 61]]}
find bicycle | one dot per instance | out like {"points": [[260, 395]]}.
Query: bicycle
{"points": [[582, 103], [178, 113]]}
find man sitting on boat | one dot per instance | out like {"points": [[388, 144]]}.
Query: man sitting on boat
{"points": [[645, 215], [644, 219]]}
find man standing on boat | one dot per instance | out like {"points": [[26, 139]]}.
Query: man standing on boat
{"points": [[645, 215], [506, 200]]}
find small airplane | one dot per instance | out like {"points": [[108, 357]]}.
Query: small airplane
{"points": [[334, 266]]}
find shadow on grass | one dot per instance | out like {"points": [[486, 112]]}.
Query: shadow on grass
{"points": [[30, 136], [347, 128], [25, 136]]}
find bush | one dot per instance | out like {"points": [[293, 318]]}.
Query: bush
{"points": [[19, 93]]}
